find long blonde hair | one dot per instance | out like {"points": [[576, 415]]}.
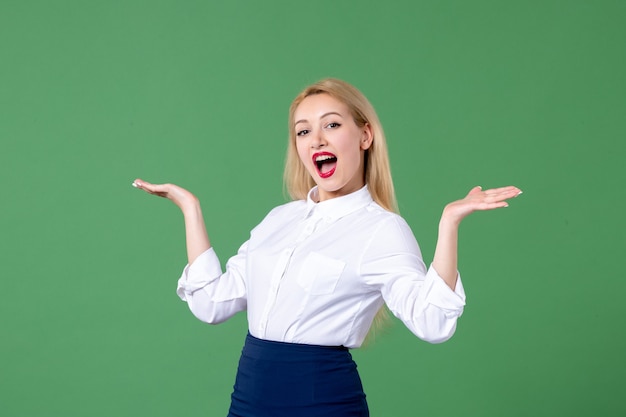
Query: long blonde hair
{"points": [[297, 180]]}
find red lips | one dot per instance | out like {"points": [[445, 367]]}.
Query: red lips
{"points": [[325, 162]]}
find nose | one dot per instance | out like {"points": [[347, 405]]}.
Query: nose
{"points": [[318, 141]]}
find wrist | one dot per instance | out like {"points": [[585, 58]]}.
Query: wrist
{"points": [[449, 221], [190, 207]]}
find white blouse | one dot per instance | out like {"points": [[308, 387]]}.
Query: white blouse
{"points": [[317, 273]]}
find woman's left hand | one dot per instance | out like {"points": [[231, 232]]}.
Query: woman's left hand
{"points": [[446, 253], [479, 199]]}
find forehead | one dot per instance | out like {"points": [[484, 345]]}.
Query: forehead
{"points": [[316, 106]]}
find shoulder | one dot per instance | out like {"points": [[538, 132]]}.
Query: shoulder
{"points": [[385, 218], [391, 228]]}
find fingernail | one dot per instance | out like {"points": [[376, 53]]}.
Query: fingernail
{"points": [[520, 191], [135, 184]]}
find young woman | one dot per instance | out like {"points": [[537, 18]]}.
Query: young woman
{"points": [[316, 271]]}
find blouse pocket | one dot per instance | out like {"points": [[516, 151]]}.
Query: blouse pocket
{"points": [[320, 274]]}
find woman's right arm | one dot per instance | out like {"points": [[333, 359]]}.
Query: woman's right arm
{"points": [[195, 229], [212, 296]]}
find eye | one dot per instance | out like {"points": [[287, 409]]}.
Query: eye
{"points": [[302, 132], [333, 125]]}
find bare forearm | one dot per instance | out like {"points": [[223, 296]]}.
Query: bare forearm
{"points": [[445, 260], [197, 238]]}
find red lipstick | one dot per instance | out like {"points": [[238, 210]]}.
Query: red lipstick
{"points": [[325, 162]]}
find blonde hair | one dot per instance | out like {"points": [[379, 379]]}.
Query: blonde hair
{"points": [[297, 180]]}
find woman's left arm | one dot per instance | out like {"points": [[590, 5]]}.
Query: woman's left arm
{"points": [[446, 251]]}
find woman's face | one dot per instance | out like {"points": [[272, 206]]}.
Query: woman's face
{"points": [[330, 145]]}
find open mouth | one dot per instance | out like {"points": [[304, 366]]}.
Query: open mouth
{"points": [[325, 162]]}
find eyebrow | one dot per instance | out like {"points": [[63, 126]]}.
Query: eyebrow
{"points": [[323, 115]]}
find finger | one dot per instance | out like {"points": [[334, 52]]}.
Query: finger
{"points": [[510, 191], [497, 198], [475, 190], [492, 206], [155, 189], [500, 190], [139, 183]]}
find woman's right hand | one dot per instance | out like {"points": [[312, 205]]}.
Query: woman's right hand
{"points": [[178, 195], [195, 230]]}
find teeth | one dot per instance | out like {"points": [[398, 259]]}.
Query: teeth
{"points": [[323, 158]]}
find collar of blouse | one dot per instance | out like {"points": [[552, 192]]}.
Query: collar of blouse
{"points": [[338, 207]]}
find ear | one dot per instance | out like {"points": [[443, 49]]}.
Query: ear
{"points": [[368, 137]]}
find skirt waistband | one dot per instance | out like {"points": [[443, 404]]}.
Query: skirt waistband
{"points": [[287, 352]]}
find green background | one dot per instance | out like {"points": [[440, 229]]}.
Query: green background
{"points": [[94, 94]]}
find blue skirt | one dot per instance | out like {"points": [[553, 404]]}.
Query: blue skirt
{"points": [[277, 379]]}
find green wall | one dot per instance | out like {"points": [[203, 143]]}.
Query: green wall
{"points": [[94, 94]]}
